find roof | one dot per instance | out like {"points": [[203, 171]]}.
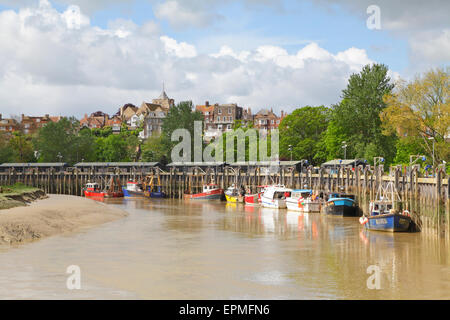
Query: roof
{"points": [[203, 108], [117, 164], [340, 162], [264, 163], [43, 164], [196, 164], [163, 95]]}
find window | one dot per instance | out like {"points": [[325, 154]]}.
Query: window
{"points": [[218, 119], [273, 121], [229, 110], [38, 120], [219, 111], [229, 127], [219, 127], [230, 118]]}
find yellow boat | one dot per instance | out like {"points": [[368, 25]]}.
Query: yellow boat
{"points": [[233, 199], [232, 195]]}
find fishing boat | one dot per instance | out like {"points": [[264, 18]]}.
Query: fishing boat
{"points": [[303, 200], [382, 213], [234, 195], [210, 192], [275, 197], [113, 190], [153, 189], [254, 199], [341, 204], [133, 189]]}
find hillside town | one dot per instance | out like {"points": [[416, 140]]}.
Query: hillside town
{"points": [[148, 119]]}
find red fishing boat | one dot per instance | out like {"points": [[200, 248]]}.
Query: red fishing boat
{"points": [[114, 190], [210, 192], [255, 198]]}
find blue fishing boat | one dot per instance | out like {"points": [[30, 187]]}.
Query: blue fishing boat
{"points": [[153, 189], [339, 204], [133, 189], [157, 192], [382, 213]]}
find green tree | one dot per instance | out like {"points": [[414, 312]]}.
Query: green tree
{"points": [[180, 116], [113, 148], [22, 148], [64, 138], [6, 153], [419, 111], [304, 129], [154, 150], [356, 119]]}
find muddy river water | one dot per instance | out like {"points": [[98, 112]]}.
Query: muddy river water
{"points": [[170, 249]]}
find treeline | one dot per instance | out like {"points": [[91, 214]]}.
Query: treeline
{"points": [[375, 118]]}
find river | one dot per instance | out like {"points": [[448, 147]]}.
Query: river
{"points": [[170, 249]]}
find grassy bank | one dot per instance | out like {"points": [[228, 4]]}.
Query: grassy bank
{"points": [[18, 195]]}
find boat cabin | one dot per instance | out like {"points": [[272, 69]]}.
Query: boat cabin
{"points": [[210, 187], [92, 186], [381, 207], [277, 193], [303, 193]]}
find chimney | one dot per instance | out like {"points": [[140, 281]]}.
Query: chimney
{"points": [[207, 103], [23, 116], [0, 116]]}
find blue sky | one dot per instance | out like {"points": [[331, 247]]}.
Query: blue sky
{"points": [[278, 54]]}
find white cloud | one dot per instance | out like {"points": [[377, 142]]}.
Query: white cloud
{"points": [[423, 23], [181, 50], [71, 68]]}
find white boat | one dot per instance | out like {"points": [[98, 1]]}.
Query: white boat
{"points": [[275, 197], [303, 200]]}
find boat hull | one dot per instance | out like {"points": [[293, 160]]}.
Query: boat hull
{"points": [[157, 195], [233, 199], [103, 194], [251, 199], [273, 203], [305, 206], [343, 208], [130, 193], [393, 222], [210, 195]]}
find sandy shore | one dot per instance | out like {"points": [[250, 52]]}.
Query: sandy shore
{"points": [[56, 215]]}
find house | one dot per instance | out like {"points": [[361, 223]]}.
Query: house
{"points": [[8, 125], [127, 111], [31, 124], [153, 118], [266, 120], [96, 120], [207, 110], [153, 114]]}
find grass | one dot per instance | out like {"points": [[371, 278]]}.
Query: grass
{"points": [[14, 190]]}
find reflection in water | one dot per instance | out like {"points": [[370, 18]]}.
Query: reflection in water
{"points": [[170, 249]]}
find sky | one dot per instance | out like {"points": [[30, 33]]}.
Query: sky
{"points": [[75, 57]]}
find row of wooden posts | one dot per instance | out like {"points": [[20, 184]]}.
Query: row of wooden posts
{"points": [[175, 183]]}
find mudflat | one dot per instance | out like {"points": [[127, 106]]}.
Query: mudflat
{"points": [[55, 215]]}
